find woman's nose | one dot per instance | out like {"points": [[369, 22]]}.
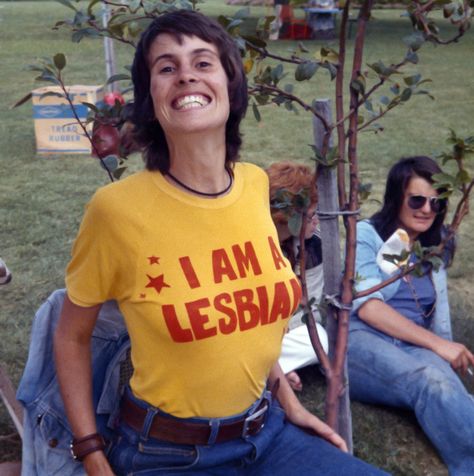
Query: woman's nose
{"points": [[426, 208], [187, 76]]}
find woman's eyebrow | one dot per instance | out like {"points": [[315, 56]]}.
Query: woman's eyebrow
{"points": [[171, 56]]}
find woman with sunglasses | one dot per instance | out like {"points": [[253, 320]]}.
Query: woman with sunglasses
{"points": [[401, 351]]}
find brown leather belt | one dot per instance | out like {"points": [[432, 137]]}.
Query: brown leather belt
{"points": [[191, 433]]}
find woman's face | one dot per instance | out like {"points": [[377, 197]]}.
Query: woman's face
{"points": [[416, 221], [188, 85]]}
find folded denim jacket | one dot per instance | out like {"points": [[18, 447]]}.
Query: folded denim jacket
{"points": [[47, 434]]}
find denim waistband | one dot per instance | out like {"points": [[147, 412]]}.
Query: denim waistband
{"points": [[213, 423]]}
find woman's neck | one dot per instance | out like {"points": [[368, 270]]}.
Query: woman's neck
{"points": [[199, 162]]}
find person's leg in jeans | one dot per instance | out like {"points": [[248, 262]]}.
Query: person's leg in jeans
{"points": [[393, 373], [294, 452]]}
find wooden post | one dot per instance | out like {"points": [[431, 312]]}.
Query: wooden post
{"points": [[329, 225], [109, 50]]}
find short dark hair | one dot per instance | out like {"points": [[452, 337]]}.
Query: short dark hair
{"points": [[385, 221], [148, 131]]}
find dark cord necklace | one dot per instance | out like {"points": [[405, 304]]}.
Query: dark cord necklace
{"points": [[205, 194]]}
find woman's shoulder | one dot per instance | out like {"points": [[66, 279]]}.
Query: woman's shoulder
{"points": [[366, 233], [250, 170], [252, 175], [119, 195]]}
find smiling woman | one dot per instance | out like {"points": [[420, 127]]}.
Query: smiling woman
{"points": [[189, 251], [401, 351]]}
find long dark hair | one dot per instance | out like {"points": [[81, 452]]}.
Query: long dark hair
{"points": [[148, 131], [385, 221]]}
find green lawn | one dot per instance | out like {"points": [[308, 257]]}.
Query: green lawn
{"points": [[42, 199]]}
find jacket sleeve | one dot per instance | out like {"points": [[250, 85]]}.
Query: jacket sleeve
{"points": [[441, 324], [368, 273]]}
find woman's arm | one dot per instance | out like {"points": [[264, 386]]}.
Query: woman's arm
{"points": [[297, 414], [73, 365], [385, 318]]}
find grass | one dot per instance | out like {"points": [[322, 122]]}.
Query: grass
{"points": [[42, 199]]}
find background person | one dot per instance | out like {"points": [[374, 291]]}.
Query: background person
{"points": [[401, 351], [297, 351], [188, 250]]}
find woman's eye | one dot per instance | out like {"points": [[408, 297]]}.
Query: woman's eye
{"points": [[203, 64], [166, 69]]}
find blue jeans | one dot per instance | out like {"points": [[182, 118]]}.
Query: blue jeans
{"points": [[384, 370], [279, 449]]}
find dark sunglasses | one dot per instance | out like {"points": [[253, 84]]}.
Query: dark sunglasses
{"points": [[437, 205]]}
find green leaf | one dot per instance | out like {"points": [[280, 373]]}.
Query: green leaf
{"points": [[415, 40], [442, 179], [412, 80], [117, 173], [59, 61], [463, 177], [118, 77], [358, 85], [406, 94], [294, 223], [412, 57], [242, 13], [52, 94], [427, 93], [256, 112], [305, 71], [91, 6], [48, 78], [134, 5], [21, 101], [277, 73], [288, 88], [92, 107], [254, 41]]}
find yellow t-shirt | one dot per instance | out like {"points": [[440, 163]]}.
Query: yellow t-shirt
{"points": [[204, 288]]}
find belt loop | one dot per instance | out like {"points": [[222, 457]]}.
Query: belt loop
{"points": [[150, 415], [214, 424]]}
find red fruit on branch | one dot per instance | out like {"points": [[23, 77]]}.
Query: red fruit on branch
{"points": [[105, 140], [110, 98]]}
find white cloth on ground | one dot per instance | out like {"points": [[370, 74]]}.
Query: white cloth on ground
{"points": [[297, 351]]}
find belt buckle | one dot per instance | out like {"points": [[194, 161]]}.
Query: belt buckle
{"points": [[253, 417]]}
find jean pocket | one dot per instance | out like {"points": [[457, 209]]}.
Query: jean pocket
{"points": [[151, 457]]}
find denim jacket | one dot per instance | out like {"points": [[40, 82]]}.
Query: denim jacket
{"points": [[368, 244], [47, 434]]}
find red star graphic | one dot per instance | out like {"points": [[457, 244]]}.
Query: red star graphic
{"points": [[158, 283], [154, 259]]}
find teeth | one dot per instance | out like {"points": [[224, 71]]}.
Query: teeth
{"points": [[188, 102]]}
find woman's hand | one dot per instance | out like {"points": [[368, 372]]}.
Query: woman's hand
{"points": [[304, 419], [96, 464], [297, 414], [458, 355]]}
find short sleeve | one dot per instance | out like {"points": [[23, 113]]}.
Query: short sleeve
{"points": [[92, 274]]}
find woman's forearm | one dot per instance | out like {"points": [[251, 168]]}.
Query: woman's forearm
{"points": [[386, 319], [72, 351], [73, 369]]}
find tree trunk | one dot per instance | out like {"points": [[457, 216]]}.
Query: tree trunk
{"points": [[337, 403]]}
